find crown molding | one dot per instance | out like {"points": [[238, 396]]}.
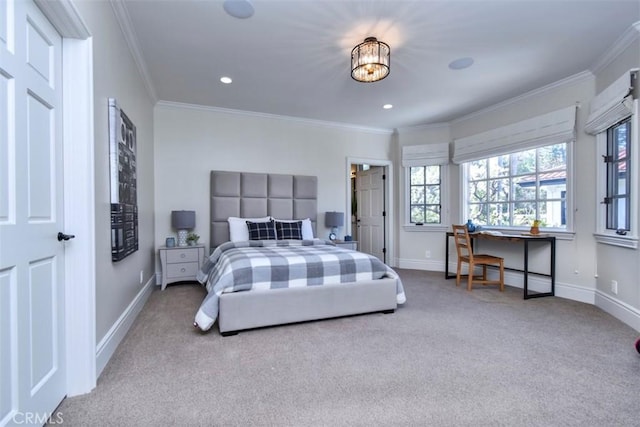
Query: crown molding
{"points": [[576, 78], [422, 128], [180, 105], [122, 16], [65, 18], [624, 41]]}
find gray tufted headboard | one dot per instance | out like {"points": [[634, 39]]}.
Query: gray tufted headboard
{"points": [[253, 195]]}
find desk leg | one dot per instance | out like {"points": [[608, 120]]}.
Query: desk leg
{"points": [[553, 267], [526, 269], [446, 256], [552, 271]]}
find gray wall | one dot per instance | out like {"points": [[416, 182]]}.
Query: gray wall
{"points": [[192, 141], [116, 76]]}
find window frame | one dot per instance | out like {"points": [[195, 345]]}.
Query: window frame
{"points": [[444, 207], [603, 234], [612, 162], [569, 189]]}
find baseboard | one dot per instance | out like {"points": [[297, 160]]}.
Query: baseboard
{"points": [[108, 345], [618, 309], [413, 264]]}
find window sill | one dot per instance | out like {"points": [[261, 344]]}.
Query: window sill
{"points": [[426, 227], [630, 242]]}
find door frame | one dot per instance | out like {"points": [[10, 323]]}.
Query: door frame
{"points": [[390, 214], [79, 193]]}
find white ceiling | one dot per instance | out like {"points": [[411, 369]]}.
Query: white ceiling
{"points": [[292, 57]]}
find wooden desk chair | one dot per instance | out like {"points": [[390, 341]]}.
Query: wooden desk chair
{"points": [[465, 254]]}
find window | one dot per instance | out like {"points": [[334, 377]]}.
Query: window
{"points": [[520, 172], [613, 119], [424, 194], [513, 190], [617, 159]]}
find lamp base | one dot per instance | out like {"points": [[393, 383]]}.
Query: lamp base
{"points": [[182, 237]]}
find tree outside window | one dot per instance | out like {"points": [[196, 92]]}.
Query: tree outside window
{"points": [[513, 190], [424, 194]]}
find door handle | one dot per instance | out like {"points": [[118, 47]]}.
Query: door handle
{"points": [[62, 236]]}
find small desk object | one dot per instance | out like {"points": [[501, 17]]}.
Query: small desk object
{"points": [[513, 238]]}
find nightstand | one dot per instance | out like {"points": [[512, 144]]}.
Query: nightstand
{"points": [[353, 245], [180, 263]]}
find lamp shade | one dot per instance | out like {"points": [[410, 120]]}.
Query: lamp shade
{"points": [[183, 220], [370, 61], [334, 219]]}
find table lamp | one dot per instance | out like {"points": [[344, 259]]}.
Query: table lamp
{"points": [[333, 220], [183, 221]]}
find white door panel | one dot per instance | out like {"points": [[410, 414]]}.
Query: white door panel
{"points": [[31, 213], [370, 196]]}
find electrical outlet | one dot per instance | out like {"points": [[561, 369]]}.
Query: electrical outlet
{"points": [[427, 254], [141, 276], [614, 286]]}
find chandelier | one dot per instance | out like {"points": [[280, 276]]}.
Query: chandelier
{"points": [[370, 60]]}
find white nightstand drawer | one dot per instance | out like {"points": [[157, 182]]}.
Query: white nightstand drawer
{"points": [[180, 264], [183, 269], [352, 244], [182, 255]]}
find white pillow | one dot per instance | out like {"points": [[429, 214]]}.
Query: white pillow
{"points": [[238, 230], [307, 229]]}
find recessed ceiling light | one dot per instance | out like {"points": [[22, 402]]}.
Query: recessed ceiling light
{"points": [[226, 80], [387, 106], [461, 63], [241, 9]]}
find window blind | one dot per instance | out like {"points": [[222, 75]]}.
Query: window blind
{"points": [[425, 155], [547, 129], [613, 104]]}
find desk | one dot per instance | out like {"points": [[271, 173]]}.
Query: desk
{"points": [[515, 239]]}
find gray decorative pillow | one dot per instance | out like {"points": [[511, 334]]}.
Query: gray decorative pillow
{"points": [[290, 230], [261, 230]]}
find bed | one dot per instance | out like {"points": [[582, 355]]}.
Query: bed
{"points": [[266, 282]]}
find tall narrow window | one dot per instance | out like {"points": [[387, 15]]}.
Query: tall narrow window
{"points": [[618, 195], [613, 119], [425, 181], [425, 193]]}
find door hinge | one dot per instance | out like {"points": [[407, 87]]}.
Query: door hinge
{"points": [[384, 213], [606, 201], [384, 250], [607, 159]]}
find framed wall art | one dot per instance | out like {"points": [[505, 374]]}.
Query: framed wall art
{"points": [[124, 204]]}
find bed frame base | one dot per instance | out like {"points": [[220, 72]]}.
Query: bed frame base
{"points": [[248, 310]]}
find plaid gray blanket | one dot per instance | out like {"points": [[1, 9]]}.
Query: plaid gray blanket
{"points": [[272, 264]]}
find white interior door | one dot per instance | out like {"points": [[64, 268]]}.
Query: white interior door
{"points": [[370, 219], [32, 341]]}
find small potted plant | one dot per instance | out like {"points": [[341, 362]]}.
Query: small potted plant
{"points": [[192, 239]]}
